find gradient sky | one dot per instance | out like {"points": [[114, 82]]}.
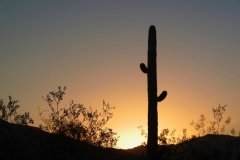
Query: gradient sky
{"points": [[95, 49]]}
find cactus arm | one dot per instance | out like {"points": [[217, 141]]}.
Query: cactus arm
{"points": [[143, 68], [162, 96]]}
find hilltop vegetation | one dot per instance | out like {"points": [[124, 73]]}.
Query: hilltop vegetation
{"points": [[78, 122], [9, 113]]}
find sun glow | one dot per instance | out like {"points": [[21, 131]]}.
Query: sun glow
{"points": [[130, 140], [128, 144]]}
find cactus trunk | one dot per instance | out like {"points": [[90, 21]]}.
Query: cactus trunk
{"points": [[151, 71]]}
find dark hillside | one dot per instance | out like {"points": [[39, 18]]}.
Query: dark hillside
{"points": [[26, 142], [219, 147], [209, 147]]}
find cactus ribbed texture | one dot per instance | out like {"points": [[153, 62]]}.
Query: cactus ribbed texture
{"points": [[151, 71]]}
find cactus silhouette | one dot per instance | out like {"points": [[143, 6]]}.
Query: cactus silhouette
{"points": [[153, 99]]}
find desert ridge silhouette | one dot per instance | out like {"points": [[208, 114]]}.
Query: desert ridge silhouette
{"points": [[31, 143], [153, 99]]}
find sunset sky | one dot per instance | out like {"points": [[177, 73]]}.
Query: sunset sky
{"points": [[94, 48]]}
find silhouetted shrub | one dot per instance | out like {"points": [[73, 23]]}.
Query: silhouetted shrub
{"points": [[214, 127], [9, 113], [78, 122], [166, 137]]}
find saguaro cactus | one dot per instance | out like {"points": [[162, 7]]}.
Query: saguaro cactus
{"points": [[153, 99]]}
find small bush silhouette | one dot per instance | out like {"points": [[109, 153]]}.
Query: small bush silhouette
{"points": [[9, 113], [166, 137], [214, 127], [78, 122]]}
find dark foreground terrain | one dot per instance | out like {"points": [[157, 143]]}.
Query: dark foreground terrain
{"points": [[30, 143], [209, 147]]}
